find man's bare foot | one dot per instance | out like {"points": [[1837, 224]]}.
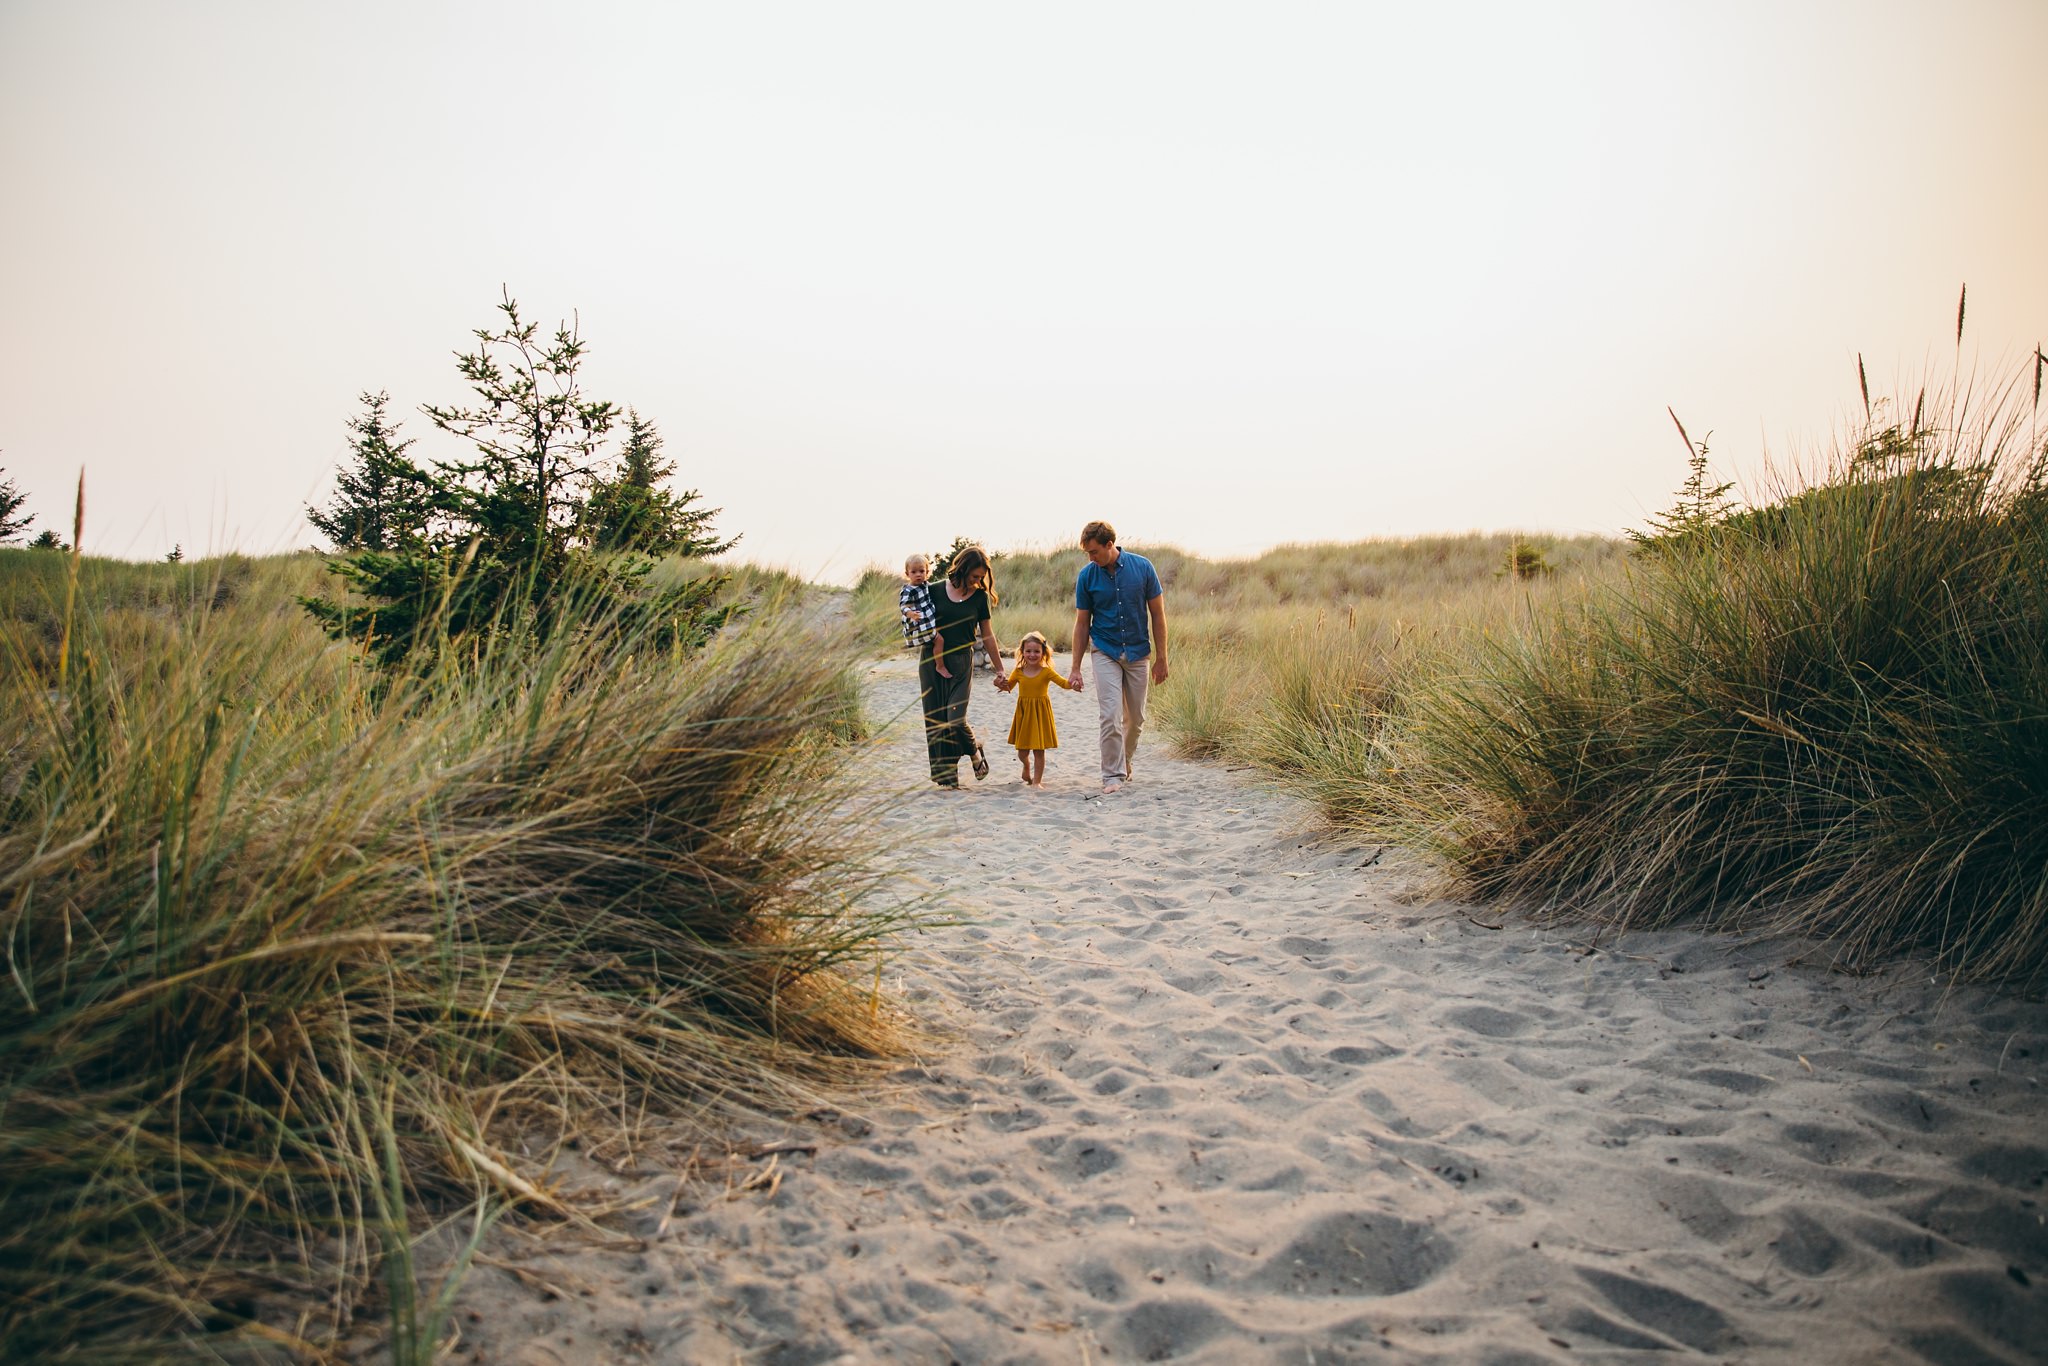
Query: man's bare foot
{"points": [[1112, 787]]}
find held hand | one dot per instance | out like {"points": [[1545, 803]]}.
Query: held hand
{"points": [[1075, 674]]}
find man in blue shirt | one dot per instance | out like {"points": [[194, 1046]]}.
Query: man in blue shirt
{"points": [[1120, 613]]}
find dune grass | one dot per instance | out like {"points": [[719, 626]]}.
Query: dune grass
{"points": [[1827, 716], [1229, 601], [290, 959]]}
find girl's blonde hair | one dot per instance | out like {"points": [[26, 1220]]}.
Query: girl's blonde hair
{"points": [[1027, 638]]}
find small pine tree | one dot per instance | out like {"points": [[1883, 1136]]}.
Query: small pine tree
{"points": [[176, 554], [630, 510], [1700, 508], [385, 500], [536, 438], [1525, 560], [942, 562], [504, 548], [47, 539], [12, 521]]}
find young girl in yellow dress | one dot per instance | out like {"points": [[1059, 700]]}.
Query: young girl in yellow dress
{"points": [[1031, 729]]}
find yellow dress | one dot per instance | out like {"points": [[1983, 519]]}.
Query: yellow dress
{"points": [[1031, 727]]}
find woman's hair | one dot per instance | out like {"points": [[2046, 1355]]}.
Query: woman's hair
{"points": [[1030, 636], [960, 573]]}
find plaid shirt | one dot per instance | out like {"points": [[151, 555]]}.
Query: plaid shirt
{"points": [[916, 603]]}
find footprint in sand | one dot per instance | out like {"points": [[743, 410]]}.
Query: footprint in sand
{"points": [[1356, 1254]]}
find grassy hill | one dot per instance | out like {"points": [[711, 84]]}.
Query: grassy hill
{"points": [[295, 952]]}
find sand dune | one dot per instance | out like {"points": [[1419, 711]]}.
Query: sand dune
{"points": [[1224, 1091]]}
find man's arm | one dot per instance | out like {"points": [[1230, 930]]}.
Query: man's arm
{"points": [[1082, 616], [1157, 608]]}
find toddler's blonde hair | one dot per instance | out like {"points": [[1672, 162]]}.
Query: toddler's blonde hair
{"points": [[914, 561]]}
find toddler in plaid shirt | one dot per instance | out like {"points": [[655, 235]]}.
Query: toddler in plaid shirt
{"points": [[915, 603]]}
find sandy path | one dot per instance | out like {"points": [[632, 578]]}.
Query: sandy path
{"points": [[1222, 1094]]}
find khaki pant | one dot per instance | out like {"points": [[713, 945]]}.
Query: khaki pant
{"points": [[1120, 687]]}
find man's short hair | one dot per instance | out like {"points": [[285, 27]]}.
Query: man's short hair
{"points": [[1101, 533]]}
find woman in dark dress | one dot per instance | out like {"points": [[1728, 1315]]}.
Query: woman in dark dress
{"points": [[961, 604]]}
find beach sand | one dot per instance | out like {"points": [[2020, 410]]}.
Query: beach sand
{"points": [[1220, 1088]]}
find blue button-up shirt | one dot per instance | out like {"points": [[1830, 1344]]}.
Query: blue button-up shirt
{"points": [[1115, 598]]}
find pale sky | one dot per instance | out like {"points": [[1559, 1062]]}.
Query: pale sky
{"points": [[1225, 275]]}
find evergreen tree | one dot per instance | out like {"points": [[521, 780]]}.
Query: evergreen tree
{"points": [[385, 500], [1701, 506], [942, 561], [47, 539], [536, 438], [501, 550], [12, 521], [631, 510]]}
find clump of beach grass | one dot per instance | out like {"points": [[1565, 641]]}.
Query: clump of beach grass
{"points": [[290, 959], [1827, 716], [1310, 689]]}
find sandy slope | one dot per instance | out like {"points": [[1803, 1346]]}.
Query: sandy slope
{"points": [[1222, 1094]]}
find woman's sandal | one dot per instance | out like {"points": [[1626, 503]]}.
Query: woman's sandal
{"points": [[980, 762]]}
